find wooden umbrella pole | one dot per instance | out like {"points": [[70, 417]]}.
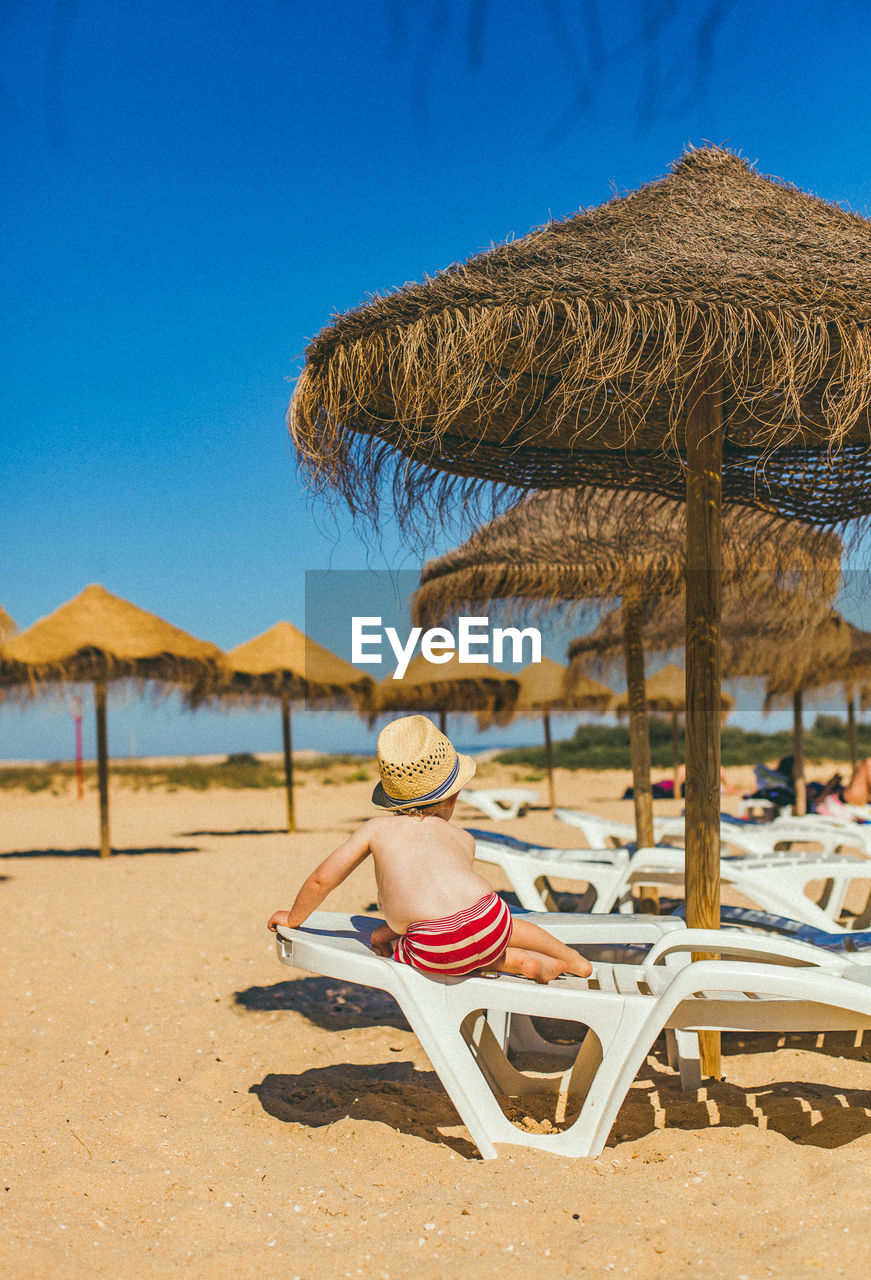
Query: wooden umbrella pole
{"points": [[443, 722], [800, 806], [675, 754], [639, 736], [102, 766], [288, 762], [852, 737], [704, 450], [548, 755]]}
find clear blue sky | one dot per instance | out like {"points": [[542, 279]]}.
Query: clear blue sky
{"points": [[193, 188]]}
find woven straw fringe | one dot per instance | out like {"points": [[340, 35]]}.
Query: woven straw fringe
{"points": [[600, 369], [569, 551]]}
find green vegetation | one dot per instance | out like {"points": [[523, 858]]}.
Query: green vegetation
{"points": [[596, 746], [239, 770]]}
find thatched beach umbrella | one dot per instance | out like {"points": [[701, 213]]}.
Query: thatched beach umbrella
{"points": [[7, 626], [284, 666], [705, 336], [98, 638], [770, 628], [448, 686], [545, 688], [666, 694], [562, 547], [838, 653]]}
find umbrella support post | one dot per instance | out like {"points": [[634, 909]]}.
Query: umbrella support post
{"points": [[852, 736], [102, 766], [548, 756], [800, 806], [704, 448], [639, 737], [288, 762], [675, 754], [443, 722]]}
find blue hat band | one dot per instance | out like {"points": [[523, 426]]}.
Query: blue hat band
{"points": [[431, 797]]}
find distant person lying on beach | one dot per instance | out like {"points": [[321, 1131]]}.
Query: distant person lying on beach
{"points": [[827, 798], [440, 915], [835, 796]]}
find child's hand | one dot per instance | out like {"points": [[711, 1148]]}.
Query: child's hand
{"points": [[278, 918]]}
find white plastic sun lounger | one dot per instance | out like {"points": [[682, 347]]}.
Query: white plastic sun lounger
{"points": [[776, 883], [775, 837], [601, 833], [794, 988], [833, 833], [528, 867], [855, 942], [500, 804]]}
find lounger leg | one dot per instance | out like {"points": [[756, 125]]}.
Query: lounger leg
{"points": [[523, 882], [622, 1058], [463, 1071], [834, 894], [467, 1090], [500, 1024], [587, 1063], [682, 1048], [671, 1049]]}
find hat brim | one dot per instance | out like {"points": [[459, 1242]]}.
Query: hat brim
{"points": [[465, 772]]}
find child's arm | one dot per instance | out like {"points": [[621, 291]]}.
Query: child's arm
{"points": [[332, 871]]}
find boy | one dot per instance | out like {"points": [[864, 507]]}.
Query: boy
{"points": [[441, 916]]}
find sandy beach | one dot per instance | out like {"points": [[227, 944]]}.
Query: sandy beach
{"points": [[177, 1103]]}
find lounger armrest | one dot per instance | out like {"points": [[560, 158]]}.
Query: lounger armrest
{"points": [[339, 943], [749, 946], [598, 929]]}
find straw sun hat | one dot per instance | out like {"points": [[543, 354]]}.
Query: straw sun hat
{"points": [[418, 765]]}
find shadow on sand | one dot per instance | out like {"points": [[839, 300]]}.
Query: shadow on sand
{"points": [[832, 1044], [329, 1003], [807, 1113], [239, 831], [95, 853], [413, 1102], [391, 1093]]}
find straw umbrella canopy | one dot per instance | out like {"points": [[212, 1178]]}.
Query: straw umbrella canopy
{"points": [[98, 638], [7, 626], [770, 630], [707, 335], [666, 694], [545, 688], [283, 666], [837, 653], [561, 547], [448, 686]]}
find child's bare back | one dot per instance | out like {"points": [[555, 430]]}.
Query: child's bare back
{"points": [[423, 868]]}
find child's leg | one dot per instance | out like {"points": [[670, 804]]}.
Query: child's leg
{"points": [[535, 953], [382, 939]]}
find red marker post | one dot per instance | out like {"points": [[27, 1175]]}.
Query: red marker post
{"points": [[77, 709]]}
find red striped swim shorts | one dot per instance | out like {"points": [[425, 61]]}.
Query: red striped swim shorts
{"points": [[457, 944]]}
